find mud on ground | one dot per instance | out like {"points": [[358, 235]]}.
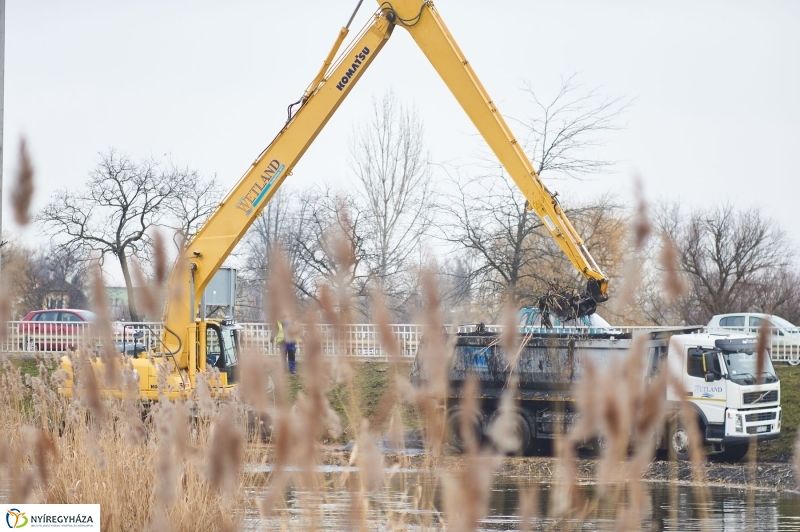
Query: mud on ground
{"points": [[778, 476], [772, 475]]}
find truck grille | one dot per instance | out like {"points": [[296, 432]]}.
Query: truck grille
{"points": [[752, 397], [761, 416]]}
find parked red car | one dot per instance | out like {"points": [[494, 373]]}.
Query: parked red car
{"points": [[53, 330]]}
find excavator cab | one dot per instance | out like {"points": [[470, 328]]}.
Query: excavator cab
{"points": [[222, 347]]}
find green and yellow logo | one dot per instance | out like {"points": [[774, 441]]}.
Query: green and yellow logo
{"points": [[16, 518]]}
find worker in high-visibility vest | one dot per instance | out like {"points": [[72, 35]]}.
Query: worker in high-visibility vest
{"points": [[288, 345]]}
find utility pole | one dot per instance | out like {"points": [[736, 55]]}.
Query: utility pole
{"points": [[2, 114]]}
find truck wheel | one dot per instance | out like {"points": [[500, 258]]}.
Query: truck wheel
{"points": [[455, 438], [735, 453], [681, 444], [522, 429]]}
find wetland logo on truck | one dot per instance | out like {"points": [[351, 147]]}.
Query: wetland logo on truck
{"points": [[358, 60], [707, 392], [250, 201]]}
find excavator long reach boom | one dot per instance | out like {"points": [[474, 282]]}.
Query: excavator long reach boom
{"points": [[215, 241]]}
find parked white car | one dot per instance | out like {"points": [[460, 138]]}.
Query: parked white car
{"points": [[784, 336]]}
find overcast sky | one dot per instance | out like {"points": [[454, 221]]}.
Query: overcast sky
{"points": [[716, 115]]}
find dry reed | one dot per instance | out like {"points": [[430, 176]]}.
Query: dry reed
{"points": [[23, 186]]}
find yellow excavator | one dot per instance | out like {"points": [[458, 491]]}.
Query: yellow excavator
{"points": [[186, 337]]}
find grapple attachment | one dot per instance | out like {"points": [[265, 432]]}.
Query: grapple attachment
{"points": [[566, 305]]}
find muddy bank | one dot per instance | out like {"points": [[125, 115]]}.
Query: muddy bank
{"points": [[778, 476], [773, 475]]}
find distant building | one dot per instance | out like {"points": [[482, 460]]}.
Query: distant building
{"points": [[117, 301], [56, 299], [117, 298], [55, 294]]}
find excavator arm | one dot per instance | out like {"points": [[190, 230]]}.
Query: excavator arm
{"points": [[434, 39], [215, 241]]}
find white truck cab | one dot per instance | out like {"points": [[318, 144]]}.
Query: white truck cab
{"points": [[721, 381]]}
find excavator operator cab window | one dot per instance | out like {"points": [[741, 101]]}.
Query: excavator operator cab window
{"points": [[214, 348], [221, 346], [229, 345]]}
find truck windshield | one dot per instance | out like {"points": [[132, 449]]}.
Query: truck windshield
{"points": [[742, 368]]}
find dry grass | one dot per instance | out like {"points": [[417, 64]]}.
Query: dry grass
{"points": [[164, 466]]}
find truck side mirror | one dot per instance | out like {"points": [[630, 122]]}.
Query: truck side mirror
{"points": [[710, 377]]}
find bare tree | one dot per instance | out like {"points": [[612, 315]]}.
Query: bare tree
{"points": [[487, 215], [510, 248], [113, 214], [454, 285], [330, 222], [43, 278], [603, 223], [562, 134], [781, 295], [734, 261], [194, 204], [307, 227], [391, 164], [275, 228]]}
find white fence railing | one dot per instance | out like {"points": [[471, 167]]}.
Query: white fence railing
{"points": [[360, 340], [55, 336]]}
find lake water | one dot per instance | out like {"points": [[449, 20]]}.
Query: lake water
{"points": [[413, 501]]}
